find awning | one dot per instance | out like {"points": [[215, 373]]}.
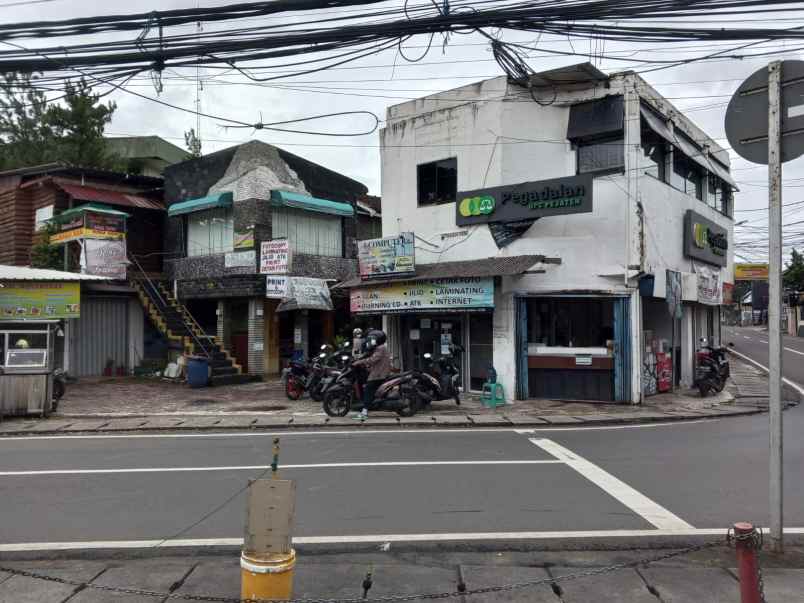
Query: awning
{"points": [[97, 208], [721, 172], [500, 266], [224, 199], [656, 123], [102, 195], [323, 206]]}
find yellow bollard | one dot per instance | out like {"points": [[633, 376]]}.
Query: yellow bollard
{"points": [[267, 576]]}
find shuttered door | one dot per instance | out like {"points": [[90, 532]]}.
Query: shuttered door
{"points": [[622, 350], [100, 335], [521, 326]]}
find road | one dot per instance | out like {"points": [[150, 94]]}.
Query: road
{"points": [[399, 485], [753, 342]]}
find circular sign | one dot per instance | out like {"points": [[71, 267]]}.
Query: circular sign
{"points": [[747, 115]]}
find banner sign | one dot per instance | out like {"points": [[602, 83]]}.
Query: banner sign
{"points": [[710, 285], [309, 293], [275, 257], [105, 258], [386, 256], [244, 238], [32, 299], [90, 225], [673, 293], [276, 287], [240, 259], [526, 201], [704, 240], [750, 272], [425, 296]]}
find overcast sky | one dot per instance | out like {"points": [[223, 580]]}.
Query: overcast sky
{"points": [[701, 90]]}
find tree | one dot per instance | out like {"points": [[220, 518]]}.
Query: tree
{"points": [[192, 142], [793, 275], [45, 255], [25, 134]]}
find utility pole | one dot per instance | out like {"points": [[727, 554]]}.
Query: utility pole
{"points": [[775, 302]]}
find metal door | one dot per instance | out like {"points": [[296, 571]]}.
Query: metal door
{"points": [[100, 337], [622, 350]]}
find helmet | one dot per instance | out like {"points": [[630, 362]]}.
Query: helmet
{"points": [[357, 333], [22, 344], [376, 338]]}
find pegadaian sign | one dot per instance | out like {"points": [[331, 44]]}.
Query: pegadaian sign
{"points": [[704, 240], [528, 200]]}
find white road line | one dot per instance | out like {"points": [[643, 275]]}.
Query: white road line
{"points": [[379, 464], [763, 341], [746, 337], [794, 351], [374, 539], [527, 430], [631, 498], [795, 386]]}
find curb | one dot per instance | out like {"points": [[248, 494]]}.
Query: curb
{"points": [[785, 381]]}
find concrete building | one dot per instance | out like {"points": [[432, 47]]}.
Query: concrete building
{"points": [[549, 220], [146, 155]]}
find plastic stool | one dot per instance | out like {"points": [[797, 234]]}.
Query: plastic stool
{"points": [[492, 394]]}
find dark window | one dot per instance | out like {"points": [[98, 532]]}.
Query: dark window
{"points": [[687, 176], [654, 149], [438, 182], [719, 195], [605, 155], [561, 322]]}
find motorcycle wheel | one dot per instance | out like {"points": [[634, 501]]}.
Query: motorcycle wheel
{"points": [[720, 386], [337, 403], [316, 394], [293, 389], [704, 390], [410, 405], [58, 392]]}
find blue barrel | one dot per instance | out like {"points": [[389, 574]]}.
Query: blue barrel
{"points": [[197, 371]]}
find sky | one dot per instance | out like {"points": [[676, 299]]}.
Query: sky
{"points": [[700, 90]]}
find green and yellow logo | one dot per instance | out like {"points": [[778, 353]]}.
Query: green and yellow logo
{"points": [[700, 235], [476, 206]]}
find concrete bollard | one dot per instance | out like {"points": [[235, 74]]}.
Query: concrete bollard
{"points": [[747, 562], [268, 576]]}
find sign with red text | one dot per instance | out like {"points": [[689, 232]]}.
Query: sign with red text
{"points": [[275, 257]]}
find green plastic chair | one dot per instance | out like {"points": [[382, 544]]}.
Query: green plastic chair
{"points": [[492, 394]]}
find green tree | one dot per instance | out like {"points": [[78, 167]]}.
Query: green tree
{"points": [[192, 142], [45, 255], [25, 134], [793, 275]]}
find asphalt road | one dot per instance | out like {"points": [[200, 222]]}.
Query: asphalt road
{"points": [[640, 480], [753, 342]]}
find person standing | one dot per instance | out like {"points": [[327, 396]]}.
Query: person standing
{"points": [[378, 363]]}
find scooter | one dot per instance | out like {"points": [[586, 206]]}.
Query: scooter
{"points": [[310, 376], [399, 393], [713, 369], [59, 387], [440, 380]]}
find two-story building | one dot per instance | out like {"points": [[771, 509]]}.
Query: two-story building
{"points": [[222, 208], [556, 223]]}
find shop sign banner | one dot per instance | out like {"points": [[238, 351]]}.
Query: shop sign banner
{"points": [[673, 293], [309, 293], [710, 285], [276, 287], [424, 296], [244, 238], [750, 272], [275, 257], [704, 240], [525, 201], [105, 258], [103, 226], [386, 256], [32, 300], [240, 259]]}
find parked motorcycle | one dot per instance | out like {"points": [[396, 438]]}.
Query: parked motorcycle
{"points": [[311, 376], [712, 369], [59, 387], [441, 378], [398, 393]]}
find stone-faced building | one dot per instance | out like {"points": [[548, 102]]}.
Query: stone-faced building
{"points": [[221, 208]]}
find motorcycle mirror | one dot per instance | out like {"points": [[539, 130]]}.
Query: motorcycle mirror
{"points": [[346, 344], [324, 347], [344, 358], [322, 355]]}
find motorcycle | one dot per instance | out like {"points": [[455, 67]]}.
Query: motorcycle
{"points": [[440, 380], [712, 369], [59, 387], [310, 376], [398, 393]]}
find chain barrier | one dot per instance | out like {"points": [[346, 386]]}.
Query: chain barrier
{"points": [[755, 541], [598, 571]]}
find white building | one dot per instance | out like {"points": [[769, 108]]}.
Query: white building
{"points": [[571, 305]]}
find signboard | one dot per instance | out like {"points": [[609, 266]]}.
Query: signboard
{"points": [[525, 201], [309, 293], [747, 114], [704, 240], [240, 259], [90, 225], [275, 257], [425, 296], [673, 293], [244, 238], [710, 285], [728, 294], [276, 287], [32, 300], [750, 272], [386, 256], [105, 258]]}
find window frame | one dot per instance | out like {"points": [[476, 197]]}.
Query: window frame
{"points": [[227, 245], [618, 139], [657, 141], [435, 164]]}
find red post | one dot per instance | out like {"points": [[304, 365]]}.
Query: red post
{"points": [[747, 562]]}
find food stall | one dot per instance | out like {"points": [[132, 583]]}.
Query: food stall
{"points": [[26, 369]]}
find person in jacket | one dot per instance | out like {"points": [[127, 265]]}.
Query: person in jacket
{"points": [[378, 362]]}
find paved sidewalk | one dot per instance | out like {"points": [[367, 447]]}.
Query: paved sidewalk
{"points": [[139, 404], [699, 578]]}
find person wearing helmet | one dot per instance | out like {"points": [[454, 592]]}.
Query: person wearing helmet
{"points": [[378, 362], [357, 342]]}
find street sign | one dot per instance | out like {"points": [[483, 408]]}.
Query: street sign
{"points": [[747, 115]]}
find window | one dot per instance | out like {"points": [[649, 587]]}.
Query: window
{"points": [[438, 182], [308, 231], [43, 214], [210, 231], [654, 150], [561, 322], [687, 176], [24, 349], [719, 195], [601, 155]]}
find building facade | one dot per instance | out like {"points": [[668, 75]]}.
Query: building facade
{"points": [[552, 223]]}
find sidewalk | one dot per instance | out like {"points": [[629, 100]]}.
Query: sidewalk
{"points": [[140, 404], [704, 577]]}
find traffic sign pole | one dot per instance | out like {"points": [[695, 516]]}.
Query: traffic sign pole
{"points": [[775, 301]]}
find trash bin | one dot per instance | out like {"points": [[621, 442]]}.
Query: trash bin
{"points": [[197, 371]]}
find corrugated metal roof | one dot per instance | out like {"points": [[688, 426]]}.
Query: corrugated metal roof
{"points": [[23, 273], [101, 195], [499, 266]]}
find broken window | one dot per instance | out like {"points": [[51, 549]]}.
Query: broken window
{"points": [[438, 182]]}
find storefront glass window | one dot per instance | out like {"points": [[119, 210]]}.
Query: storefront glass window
{"points": [[25, 349], [308, 232], [578, 323], [210, 232]]}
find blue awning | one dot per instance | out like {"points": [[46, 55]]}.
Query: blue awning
{"points": [[208, 202], [299, 201]]}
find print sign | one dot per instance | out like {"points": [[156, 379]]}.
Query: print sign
{"points": [[275, 257]]}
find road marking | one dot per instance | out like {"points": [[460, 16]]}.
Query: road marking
{"points": [[379, 464], [746, 337], [763, 341], [527, 430], [631, 498], [795, 386], [794, 351], [22, 547]]}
